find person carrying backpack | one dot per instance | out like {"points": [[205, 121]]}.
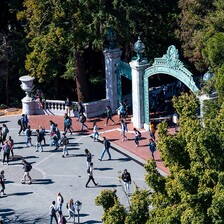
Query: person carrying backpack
{"points": [[21, 124], [27, 168], [52, 212], [71, 210], [64, 142], [137, 136], [82, 121], [90, 173], [106, 148], [60, 201]]}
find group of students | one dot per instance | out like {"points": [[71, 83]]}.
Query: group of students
{"points": [[7, 144], [55, 210]]}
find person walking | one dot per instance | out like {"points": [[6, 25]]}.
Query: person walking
{"points": [[27, 168], [95, 132], [82, 121], [88, 157], [5, 131], [81, 110], [64, 142], [67, 124], [126, 177], [123, 130], [52, 212], [71, 210], [2, 182], [43, 133], [68, 105], [28, 134], [109, 115], [5, 152], [54, 141], [21, 124], [60, 201], [152, 147], [137, 135], [11, 146], [39, 140], [90, 173], [152, 130], [106, 148], [26, 121]]}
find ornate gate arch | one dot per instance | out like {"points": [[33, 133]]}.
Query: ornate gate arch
{"points": [[171, 65]]}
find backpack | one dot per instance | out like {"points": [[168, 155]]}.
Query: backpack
{"points": [[62, 199], [65, 141], [29, 167], [6, 148], [19, 122], [139, 134], [83, 119]]}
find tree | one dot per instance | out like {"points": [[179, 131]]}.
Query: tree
{"points": [[195, 160], [60, 33], [202, 34]]}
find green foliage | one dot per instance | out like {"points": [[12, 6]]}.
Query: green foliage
{"points": [[202, 34], [115, 215], [191, 191], [139, 211], [106, 199]]}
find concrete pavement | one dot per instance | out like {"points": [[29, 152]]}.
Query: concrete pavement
{"points": [[52, 174]]}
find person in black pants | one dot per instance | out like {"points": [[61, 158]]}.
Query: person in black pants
{"points": [[90, 172]]}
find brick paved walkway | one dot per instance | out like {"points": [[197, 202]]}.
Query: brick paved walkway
{"points": [[111, 132]]}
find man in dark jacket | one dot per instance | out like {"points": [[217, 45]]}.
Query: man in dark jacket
{"points": [[126, 177], [106, 148]]}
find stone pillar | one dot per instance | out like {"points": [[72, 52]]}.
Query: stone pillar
{"points": [[138, 70], [112, 56], [27, 102]]}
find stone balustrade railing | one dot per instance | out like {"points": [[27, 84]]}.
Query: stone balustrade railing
{"points": [[57, 107]]}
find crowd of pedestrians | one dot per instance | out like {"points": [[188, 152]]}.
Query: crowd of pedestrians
{"points": [[58, 139]]}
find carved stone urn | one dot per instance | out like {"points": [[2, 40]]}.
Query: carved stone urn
{"points": [[27, 101]]}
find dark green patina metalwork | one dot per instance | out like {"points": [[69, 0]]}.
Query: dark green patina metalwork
{"points": [[122, 69], [171, 65]]}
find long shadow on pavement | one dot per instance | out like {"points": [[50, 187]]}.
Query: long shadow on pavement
{"points": [[103, 169], [20, 193], [109, 185], [42, 181]]}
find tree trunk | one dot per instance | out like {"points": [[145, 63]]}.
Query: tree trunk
{"points": [[80, 78]]}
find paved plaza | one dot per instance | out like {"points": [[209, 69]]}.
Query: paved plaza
{"points": [[52, 174]]}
